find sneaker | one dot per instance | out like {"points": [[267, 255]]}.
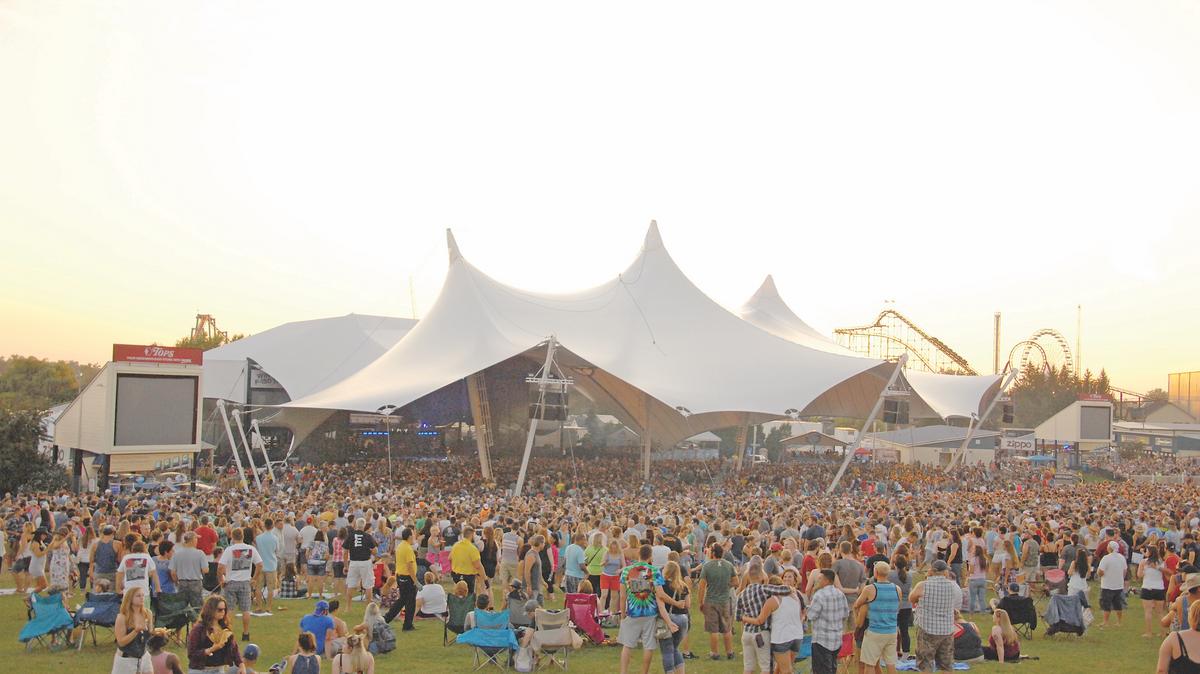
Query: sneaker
{"points": [[714, 656], [730, 656], [689, 656], [245, 637]]}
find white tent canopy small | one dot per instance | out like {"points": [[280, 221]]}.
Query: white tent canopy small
{"points": [[937, 395], [647, 343], [303, 356]]}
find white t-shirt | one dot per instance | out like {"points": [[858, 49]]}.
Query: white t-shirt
{"points": [[659, 555], [433, 598], [239, 560], [1113, 565], [136, 568]]}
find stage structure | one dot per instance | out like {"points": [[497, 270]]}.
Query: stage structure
{"points": [[631, 345]]}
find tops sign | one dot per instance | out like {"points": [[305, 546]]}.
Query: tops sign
{"points": [[169, 355]]}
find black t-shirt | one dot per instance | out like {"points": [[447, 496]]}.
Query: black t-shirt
{"points": [[673, 543], [359, 545]]}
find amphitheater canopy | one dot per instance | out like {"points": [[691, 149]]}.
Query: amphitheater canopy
{"points": [[648, 342]]}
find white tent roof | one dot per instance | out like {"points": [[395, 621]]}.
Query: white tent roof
{"points": [[648, 342], [303, 356], [941, 395]]}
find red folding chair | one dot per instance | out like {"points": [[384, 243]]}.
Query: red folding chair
{"points": [[583, 609]]}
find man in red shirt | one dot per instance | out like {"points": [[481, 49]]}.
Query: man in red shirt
{"points": [[808, 564], [206, 537]]}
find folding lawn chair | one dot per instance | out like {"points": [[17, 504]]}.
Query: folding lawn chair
{"points": [[552, 637], [172, 611], [491, 638], [583, 609], [456, 616], [1021, 612], [98, 611], [49, 623]]}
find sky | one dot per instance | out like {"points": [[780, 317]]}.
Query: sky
{"points": [[265, 162]]}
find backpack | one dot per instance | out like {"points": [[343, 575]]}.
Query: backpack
{"points": [[383, 638], [523, 660]]}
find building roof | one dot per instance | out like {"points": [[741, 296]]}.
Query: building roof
{"points": [[814, 438], [930, 435], [1135, 426]]}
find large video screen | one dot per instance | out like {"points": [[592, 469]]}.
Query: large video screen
{"points": [[1095, 423], [155, 410]]}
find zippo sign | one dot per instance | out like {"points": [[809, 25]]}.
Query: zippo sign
{"points": [[1021, 443], [168, 355]]}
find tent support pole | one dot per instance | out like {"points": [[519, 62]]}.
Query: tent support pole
{"points": [[481, 415], [646, 444], [232, 444], [256, 433], [858, 438], [551, 344], [975, 422], [237, 421], [743, 436]]}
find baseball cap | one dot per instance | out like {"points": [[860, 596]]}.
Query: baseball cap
{"points": [[321, 608], [251, 652], [776, 547], [940, 565]]}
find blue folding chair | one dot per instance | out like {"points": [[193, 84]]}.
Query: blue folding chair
{"points": [[49, 623], [99, 611], [491, 637]]}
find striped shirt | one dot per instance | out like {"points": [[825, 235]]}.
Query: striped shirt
{"points": [[828, 614]]}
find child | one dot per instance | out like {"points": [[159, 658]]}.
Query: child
{"points": [[165, 661], [305, 660]]}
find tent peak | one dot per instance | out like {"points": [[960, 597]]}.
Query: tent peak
{"points": [[653, 238], [768, 287], [452, 247]]}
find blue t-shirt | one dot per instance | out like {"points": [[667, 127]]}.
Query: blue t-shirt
{"points": [[163, 567], [574, 561], [318, 625], [267, 544]]}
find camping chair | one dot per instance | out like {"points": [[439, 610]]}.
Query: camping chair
{"points": [[583, 609], [456, 616], [49, 623], [1021, 612], [1065, 614], [491, 637], [439, 562], [519, 617], [100, 610], [552, 637], [172, 611]]}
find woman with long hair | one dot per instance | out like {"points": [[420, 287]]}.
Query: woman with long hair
{"points": [[1078, 572], [677, 596], [132, 630], [305, 659], [904, 616], [1175, 653], [977, 579], [1003, 644], [489, 556], [354, 659], [610, 578], [316, 560], [211, 644], [1154, 588]]}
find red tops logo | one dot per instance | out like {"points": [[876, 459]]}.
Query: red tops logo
{"points": [[171, 355]]}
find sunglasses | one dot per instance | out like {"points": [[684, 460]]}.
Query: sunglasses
{"points": [[221, 608]]}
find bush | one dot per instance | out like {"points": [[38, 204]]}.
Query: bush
{"points": [[22, 469]]}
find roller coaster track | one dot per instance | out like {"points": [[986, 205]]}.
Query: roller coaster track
{"points": [[882, 335]]}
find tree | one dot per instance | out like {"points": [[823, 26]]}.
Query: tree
{"points": [[30, 383], [1156, 394], [205, 342], [22, 469]]}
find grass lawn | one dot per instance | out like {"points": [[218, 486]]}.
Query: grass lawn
{"points": [[1111, 649]]}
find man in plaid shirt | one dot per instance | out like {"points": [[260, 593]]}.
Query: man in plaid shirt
{"points": [[749, 605], [935, 599], [828, 614]]}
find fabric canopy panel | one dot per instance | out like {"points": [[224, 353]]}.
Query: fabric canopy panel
{"points": [[303, 356], [937, 395], [648, 341]]}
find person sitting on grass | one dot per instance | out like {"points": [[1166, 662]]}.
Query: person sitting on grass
{"points": [[289, 588], [305, 659], [340, 631], [431, 598], [1003, 644], [354, 659]]}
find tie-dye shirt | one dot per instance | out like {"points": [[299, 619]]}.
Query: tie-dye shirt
{"points": [[639, 580]]}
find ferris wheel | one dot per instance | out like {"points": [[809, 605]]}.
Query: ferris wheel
{"points": [[1046, 347]]}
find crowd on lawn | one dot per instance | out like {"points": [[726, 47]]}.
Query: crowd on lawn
{"points": [[890, 567]]}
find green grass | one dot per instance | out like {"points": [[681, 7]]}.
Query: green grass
{"points": [[1114, 650]]}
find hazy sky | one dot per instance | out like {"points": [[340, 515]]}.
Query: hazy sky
{"points": [[266, 162]]}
